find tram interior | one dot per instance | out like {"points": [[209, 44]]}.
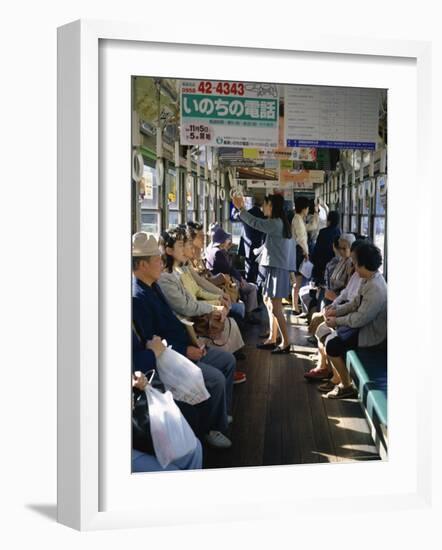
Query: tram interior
{"points": [[279, 416]]}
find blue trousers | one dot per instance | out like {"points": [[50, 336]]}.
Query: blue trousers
{"points": [[218, 367], [237, 311], [142, 462]]}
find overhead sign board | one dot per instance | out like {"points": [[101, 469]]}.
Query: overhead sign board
{"points": [[327, 116], [232, 114]]}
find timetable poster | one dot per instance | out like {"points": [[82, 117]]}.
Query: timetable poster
{"points": [[335, 117]]}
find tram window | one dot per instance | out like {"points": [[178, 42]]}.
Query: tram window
{"points": [[201, 198], [150, 199], [236, 232], [380, 202], [174, 218], [354, 202], [354, 224], [379, 235], [364, 226], [173, 195], [190, 193], [150, 222], [212, 211], [365, 203], [346, 196]]}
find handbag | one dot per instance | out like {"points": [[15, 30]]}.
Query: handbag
{"points": [[208, 326], [231, 289]]}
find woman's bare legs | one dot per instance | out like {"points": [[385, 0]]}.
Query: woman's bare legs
{"points": [[281, 322], [295, 293], [273, 326]]}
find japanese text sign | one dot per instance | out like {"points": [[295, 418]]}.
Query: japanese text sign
{"points": [[234, 114]]}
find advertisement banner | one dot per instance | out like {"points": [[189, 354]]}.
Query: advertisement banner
{"points": [[282, 153], [232, 114], [309, 177]]}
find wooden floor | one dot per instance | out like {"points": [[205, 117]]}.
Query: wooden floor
{"points": [[279, 418]]}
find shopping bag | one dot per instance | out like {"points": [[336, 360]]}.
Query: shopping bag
{"points": [[181, 377], [306, 268], [171, 434]]}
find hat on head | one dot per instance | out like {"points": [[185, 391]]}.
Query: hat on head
{"points": [[144, 244], [348, 237], [220, 236]]}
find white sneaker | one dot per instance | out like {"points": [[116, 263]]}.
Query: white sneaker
{"points": [[229, 418], [218, 440]]}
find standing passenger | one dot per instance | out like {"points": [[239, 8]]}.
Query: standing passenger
{"points": [[299, 233], [250, 240], [278, 258]]}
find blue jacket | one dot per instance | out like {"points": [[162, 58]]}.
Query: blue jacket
{"points": [[218, 260], [278, 251], [152, 316], [250, 237]]}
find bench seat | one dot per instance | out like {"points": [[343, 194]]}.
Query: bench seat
{"points": [[368, 369]]}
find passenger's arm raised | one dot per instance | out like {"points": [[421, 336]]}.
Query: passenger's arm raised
{"points": [[270, 226]]}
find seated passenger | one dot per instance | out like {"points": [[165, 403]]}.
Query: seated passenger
{"points": [[196, 233], [143, 453], [360, 323], [313, 293], [319, 327], [152, 316], [184, 302], [203, 276], [343, 269], [323, 250], [219, 261], [336, 275]]}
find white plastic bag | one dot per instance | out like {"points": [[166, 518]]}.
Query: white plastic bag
{"points": [[182, 377], [172, 436], [306, 268]]}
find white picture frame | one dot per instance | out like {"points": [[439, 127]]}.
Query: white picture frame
{"points": [[84, 288]]}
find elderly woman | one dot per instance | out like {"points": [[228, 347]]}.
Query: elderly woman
{"points": [[319, 327], [360, 323]]}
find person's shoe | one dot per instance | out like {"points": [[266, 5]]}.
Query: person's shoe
{"points": [[318, 374], [270, 345], [229, 418], [280, 351], [239, 377], [296, 313], [338, 392], [326, 387], [312, 340], [239, 355], [286, 302], [218, 440]]}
